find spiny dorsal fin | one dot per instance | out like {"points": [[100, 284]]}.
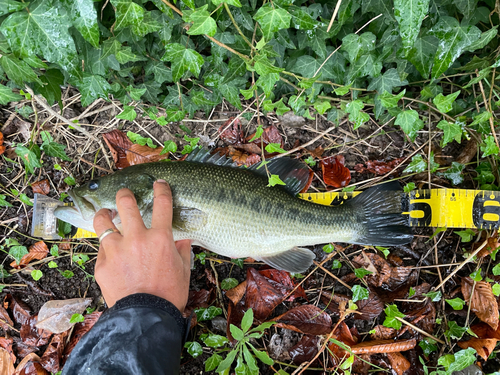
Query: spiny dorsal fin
{"points": [[292, 172]]}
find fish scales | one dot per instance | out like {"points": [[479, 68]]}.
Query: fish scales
{"points": [[233, 212]]}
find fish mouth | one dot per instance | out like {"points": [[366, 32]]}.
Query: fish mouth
{"points": [[85, 207]]}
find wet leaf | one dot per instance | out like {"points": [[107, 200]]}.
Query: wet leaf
{"points": [[482, 302], [81, 329], [51, 358], [483, 347], [334, 172], [30, 365], [383, 346], [398, 363], [55, 316], [383, 333], [484, 331], [37, 251], [379, 167], [305, 349], [40, 187], [261, 295], [285, 283], [305, 319], [32, 335], [237, 293], [231, 132]]}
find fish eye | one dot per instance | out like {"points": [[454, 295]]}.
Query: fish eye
{"points": [[93, 185]]}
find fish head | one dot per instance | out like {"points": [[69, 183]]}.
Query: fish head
{"points": [[100, 193]]}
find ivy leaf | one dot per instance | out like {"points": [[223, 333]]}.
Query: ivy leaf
{"points": [[3, 202], [359, 293], [29, 157], [55, 150], [18, 70], [489, 147], [409, 15], [453, 40], [485, 38], [17, 252], [272, 19], [456, 303], [355, 115], [418, 164], [228, 283], [264, 66], [454, 331], [51, 88], [128, 113], [194, 348], [454, 173], [410, 123], [274, 179], [183, 59], [465, 235], [422, 54], [392, 313], [42, 31], [274, 147], [202, 22], [159, 70], [301, 19], [445, 103], [212, 362], [322, 106], [357, 45], [84, 17], [452, 131], [389, 100], [7, 96], [140, 140], [93, 87], [236, 3], [127, 13], [387, 81], [9, 6]]}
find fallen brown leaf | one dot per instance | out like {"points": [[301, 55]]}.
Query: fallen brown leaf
{"points": [[379, 167], [334, 172], [482, 302], [383, 333], [305, 319], [493, 244], [38, 251], [484, 331], [51, 358], [20, 310], [270, 135], [237, 293], [2, 146], [54, 316], [41, 187], [284, 282], [32, 336], [138, 154], [231, 131], [118, 144], [6, 362], [5, 320], [483, 347], [398, 363], [30, 365], [80, 330], [242, 158], [383, 346], [343, 335], [6, 344], [305, 349], [261, 295]]}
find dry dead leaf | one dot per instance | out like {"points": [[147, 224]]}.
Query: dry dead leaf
{"points": [[231, 131], [482, 302], [6, 363], [284, 282], [54, 316], [305, 319], [2, 146], [492, 245], [41, 187], [383, 346], [383, 333], [38, 251], [483, 347], [334, 172], [484, 331], [138, 154], [398, 363], [6, 344], [118, 144]]}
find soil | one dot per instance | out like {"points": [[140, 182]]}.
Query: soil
{"points": [[372, 142]]}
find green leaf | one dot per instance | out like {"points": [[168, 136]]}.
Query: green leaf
{"points": [[422, 54], [250, 360], [453, 40], [409, 15], [358, 45], [454, 173], [236, 332], [215, 341], [456, 303], [263, 356], [434, 296], [83, 15], [496, 270], [463, 359], [10, 6], [51, 89], [70, 180], [341, 91], [454, 331], [466, 235], [169, 146], [3, 202], [55, 150], [274, 179], [241, 367], [183, 59], [264, 66], [76, 318], [128, 113], [389, 100], [52, 264], [301, 20], [485, 38], [43, 31], [489, 147], [67, 274], [359, 293], [272, 19], [355, 114], [29, 157], [194, 348], [127, 13], [18, 70], [236, 3], [445, 103], [247, 320], [274, 147], [481, 118], [281, 108], [495, 289], [228, 283], [392, 312], [7, 96], [452, 131], [328, 248], [203, 314], [428, 346], [476, 276], [139, 139], [17, 252], [336, 264], [202, 22], [212, 362], [227, 362], [93, 87], [361, 272], [409, 187], [410, 123], [322, 106]]}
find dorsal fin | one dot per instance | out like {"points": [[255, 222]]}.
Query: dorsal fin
{"points": [[292, 172]]}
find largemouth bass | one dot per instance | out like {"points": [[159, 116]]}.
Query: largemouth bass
{"points": [[232, 211]]}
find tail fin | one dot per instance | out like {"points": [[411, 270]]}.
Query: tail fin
{"points": [[380, 210]]}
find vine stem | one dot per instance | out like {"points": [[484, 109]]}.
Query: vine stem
{"points": [[430, 106], [237, 27]]}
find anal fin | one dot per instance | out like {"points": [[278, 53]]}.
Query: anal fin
{"points": [[295, 260]]}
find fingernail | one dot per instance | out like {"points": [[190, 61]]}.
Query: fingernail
{"points": [[161, 181]]}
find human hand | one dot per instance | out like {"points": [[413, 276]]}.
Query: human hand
{"points": [[142, 260]]}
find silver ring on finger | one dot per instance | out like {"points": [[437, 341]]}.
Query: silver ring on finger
{"points": [[107, 232]]}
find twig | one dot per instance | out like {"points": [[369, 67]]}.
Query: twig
{"points": [[492, 125], [336, 10], [419, 330], [332, 275], [96, 166]]}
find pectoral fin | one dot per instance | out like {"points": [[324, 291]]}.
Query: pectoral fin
{"points": [[295, 260], [188, 219]]}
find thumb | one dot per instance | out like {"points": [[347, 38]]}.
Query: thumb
{"points": [[184, 249]]}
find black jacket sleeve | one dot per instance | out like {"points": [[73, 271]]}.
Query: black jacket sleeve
{"points": [[140, 334]]}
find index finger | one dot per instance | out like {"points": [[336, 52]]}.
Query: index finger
{"points": [[162, 206], [129, 212]]}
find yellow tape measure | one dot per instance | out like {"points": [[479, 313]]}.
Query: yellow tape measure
{"points": [[450, 208]]}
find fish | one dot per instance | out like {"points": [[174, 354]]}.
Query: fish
{"points": [[232, 211]]}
